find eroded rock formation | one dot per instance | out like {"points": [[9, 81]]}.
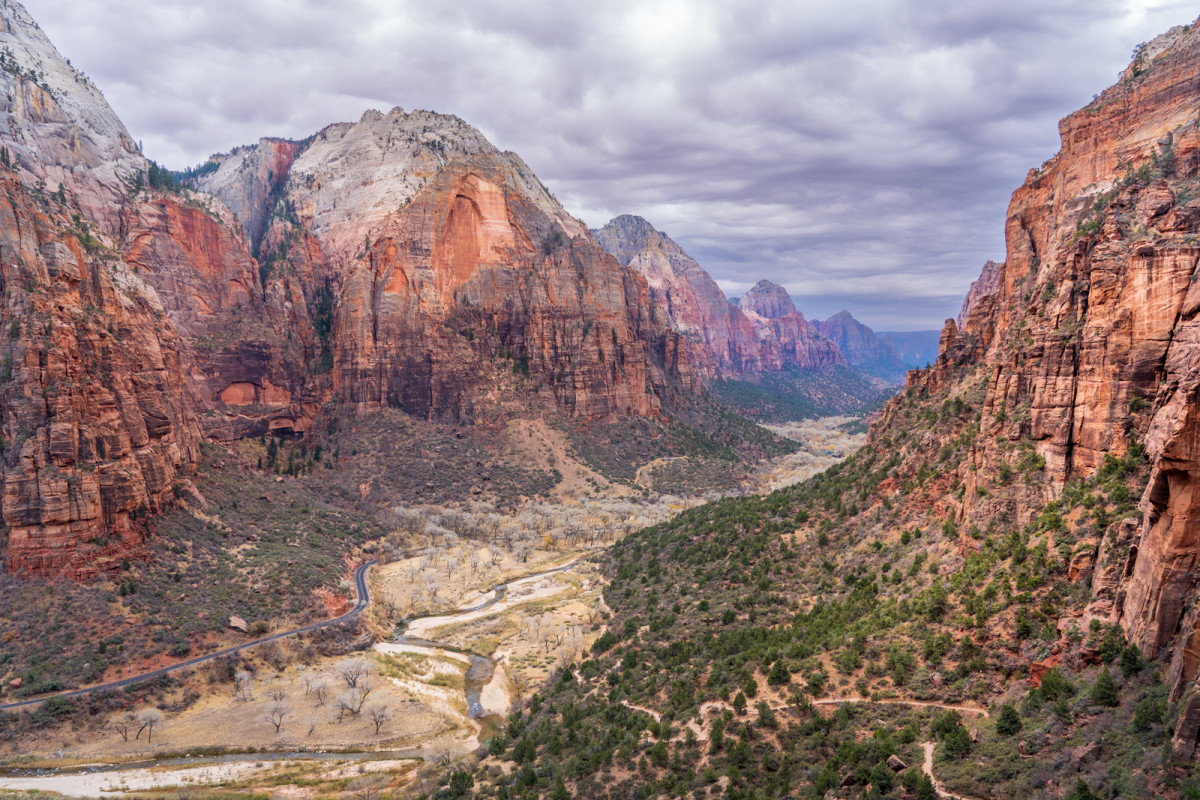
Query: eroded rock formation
{"points": [[785, 335], [1090, 342], [400, 260], [724, 340]]}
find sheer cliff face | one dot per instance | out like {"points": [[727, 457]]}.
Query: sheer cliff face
{"points": [[1091, 339], [96, 420], [96, 417], [785, 336], [449, 269], [723, 339], [984, 286], [400, 260], [473, 274]]}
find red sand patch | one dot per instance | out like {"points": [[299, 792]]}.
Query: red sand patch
{"points": [[335, 604]]}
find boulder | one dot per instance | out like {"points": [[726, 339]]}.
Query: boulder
{"points": [[1084, 754]]}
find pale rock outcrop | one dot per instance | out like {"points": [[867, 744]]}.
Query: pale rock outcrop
{"points": [[60, 130]]}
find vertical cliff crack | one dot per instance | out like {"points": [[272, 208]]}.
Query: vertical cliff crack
{"points": [[1161, 372]]}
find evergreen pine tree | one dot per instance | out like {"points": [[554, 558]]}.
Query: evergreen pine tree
{"points": [[1104, 690], [1009, 721]]}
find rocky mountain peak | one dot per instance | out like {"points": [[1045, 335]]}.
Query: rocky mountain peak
{"points": [[60, 128], [345, 182], [985, 285], [861, 346], [628, 234], [351, 177], [768, 301]]}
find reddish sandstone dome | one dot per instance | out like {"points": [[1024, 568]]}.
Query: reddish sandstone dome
{"points": [[400, 260]]}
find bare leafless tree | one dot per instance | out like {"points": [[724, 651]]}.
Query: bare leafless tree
{"points": [[379, 714], [278, 693], [351, 702], [553, 639], [321, 690], [148, 719], [344, 704], [124, 724], [432, 587], [352, 671], [416, 567], [241, 685], [368, 787], [275, 714]]}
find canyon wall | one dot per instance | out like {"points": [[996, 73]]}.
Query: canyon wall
{"points": [[1089, 340], [401, 260]]}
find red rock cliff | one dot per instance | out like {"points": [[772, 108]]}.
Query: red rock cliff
{"points": [[1091, 339], [723, 340], [96, 416], [785, 335]]}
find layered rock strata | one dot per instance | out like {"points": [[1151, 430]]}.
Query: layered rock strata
{"points": [[1091, 340], [723, 338], [400, 260], [785, 336]]}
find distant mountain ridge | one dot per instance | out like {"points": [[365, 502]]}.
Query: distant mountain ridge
{"points": [[915, 349], [760, 332], [862, 347]]}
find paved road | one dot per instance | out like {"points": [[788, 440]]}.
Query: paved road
{"points": [[364, 599]]}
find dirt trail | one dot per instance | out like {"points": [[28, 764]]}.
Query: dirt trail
{"points": [[657, 716], [937, 785], [638, 477], [705, 707]]}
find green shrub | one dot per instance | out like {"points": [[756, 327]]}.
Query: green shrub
{"points": [[1055, 685]]}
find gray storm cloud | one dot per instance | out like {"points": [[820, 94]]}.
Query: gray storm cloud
{"points": [[859, 152]]}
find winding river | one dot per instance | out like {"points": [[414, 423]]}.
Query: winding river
{"points": [[485, 689]]}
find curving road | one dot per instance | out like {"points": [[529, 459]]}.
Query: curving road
{"points": [[364, 599]]}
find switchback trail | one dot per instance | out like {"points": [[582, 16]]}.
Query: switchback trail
{"points": [[364, 599], [937, 785], [927, 747]]}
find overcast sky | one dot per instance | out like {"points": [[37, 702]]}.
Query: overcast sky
{"points": [[859, 152]]}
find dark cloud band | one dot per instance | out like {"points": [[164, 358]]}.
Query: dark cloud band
{"points": [[860, 153]]}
